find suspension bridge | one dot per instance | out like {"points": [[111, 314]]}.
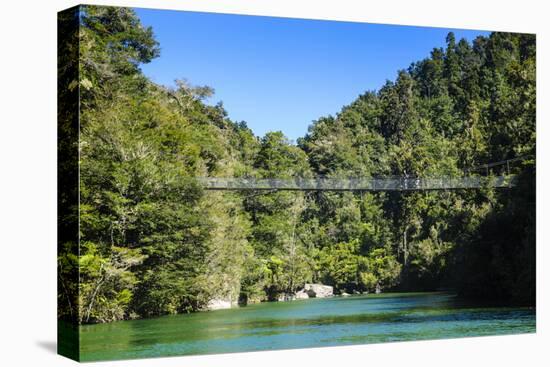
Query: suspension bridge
{"points": [[395, 183]]}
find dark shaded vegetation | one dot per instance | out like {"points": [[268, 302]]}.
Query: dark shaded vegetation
{"points": [[152, 242]]}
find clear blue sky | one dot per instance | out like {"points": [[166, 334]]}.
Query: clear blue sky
{"points": [[279, 73]]}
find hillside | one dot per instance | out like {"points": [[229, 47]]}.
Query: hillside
{"points": [[153, 242]]}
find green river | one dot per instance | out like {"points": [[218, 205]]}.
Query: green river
{"points": [[301, 324]]}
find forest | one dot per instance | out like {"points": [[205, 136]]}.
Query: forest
{"points": [[153, 242]]}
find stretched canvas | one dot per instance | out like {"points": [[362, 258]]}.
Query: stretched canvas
{"points": [[232, 183]]}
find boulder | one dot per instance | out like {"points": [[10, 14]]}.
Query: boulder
{"points": [[218, 304], [344, 294], [302, 294], [318, 290], [286, 297]]}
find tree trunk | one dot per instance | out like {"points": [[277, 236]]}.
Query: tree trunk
{"points": [[96, 291], [405, 247]]}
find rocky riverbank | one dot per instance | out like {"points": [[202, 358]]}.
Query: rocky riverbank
{"points": [[310, 290]]}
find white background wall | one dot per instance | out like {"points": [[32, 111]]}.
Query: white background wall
{"points": [[28, 181]]}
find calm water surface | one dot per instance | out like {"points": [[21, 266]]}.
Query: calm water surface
{"points": [[302, 324]]}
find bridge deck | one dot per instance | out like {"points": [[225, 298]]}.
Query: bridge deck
{"points": [[356, 184]]}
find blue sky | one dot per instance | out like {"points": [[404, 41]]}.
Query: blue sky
{"points": [[280, 73]]}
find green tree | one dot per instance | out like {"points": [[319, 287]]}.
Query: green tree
{"points": [[153, 242]]}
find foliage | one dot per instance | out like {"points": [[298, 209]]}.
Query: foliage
{"points": [[152, 242], [347, 269]]}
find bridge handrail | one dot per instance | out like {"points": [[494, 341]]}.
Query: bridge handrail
{"points": [[355, 184]]}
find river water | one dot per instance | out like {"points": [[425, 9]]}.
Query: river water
{"points": [[304, 323]]}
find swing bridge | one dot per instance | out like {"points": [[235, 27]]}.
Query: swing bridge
{"points": [[502, 179]]}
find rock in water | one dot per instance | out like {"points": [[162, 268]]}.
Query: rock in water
{"points": [[286, 297], [302, 294], [218, 304], [318, 290]]}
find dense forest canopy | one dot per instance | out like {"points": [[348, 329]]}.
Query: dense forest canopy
{"points": [[153, 242]]}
